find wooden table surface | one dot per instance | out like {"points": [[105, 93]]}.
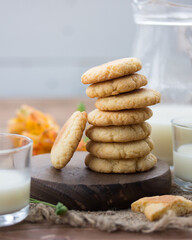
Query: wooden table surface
{"points": [[61, 110]]}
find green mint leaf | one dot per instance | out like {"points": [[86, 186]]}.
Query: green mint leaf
{"points": [[81, 107], [60, 208], [85, 139]]}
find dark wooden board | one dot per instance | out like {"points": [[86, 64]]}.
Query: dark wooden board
{"points": [[81, 189]]}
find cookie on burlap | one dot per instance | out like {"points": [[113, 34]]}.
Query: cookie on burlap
{"points": [[111, 70], [155, 207], [119, 133], [68, 139], [131, 116], [133, 149], [120, 166], [116, 86], [136, 99]]}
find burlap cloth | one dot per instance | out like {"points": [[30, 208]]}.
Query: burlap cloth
{"points": [[112, 220]]}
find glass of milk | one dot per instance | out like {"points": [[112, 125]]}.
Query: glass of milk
{"points": [[182, 152], [161, 128], [15, 157]]}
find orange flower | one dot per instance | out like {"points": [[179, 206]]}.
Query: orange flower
{"points": [[41, 128]]}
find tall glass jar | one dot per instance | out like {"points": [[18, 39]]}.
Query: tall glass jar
{"points": [[164, 44]]}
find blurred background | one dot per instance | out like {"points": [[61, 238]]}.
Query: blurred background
{"points": [[46, 45]]}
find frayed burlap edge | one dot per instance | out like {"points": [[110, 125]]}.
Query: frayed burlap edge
{"points": [[110, 221]]}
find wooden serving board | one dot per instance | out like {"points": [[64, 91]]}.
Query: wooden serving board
{"points": [[81, 189]]}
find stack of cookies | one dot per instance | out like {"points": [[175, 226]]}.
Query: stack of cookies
{"points": [[119, 136]]}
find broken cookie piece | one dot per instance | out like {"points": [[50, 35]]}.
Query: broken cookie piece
{"points": [[155, 207]]}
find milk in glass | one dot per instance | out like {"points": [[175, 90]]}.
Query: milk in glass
{"points": [[183, 162], [14, 190]]}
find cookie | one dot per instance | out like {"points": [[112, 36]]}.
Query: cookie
{"points": [[132, 116], [119, 133], [136, 99], [120, 150], [116, 86], [111, 70], [155, 207], [120, 166], [68, 139]]}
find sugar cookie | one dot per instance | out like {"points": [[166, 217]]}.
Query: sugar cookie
{"points": [[134, 149], [119, 133], [132, 116], [120, 166], [68, 139], [136, 99], [116, 86], [111, 70]]}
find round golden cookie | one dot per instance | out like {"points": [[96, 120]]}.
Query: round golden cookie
{"points": [[119, 133], [136, 99], [116, 86], [120, 166], [68, 139], [132, 116], [133, 149], [111, 70]]}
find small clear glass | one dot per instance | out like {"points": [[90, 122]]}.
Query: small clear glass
{"points": [[182, 152], [15, 158]]}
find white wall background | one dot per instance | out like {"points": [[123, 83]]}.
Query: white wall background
{"points": [[46, 45]]}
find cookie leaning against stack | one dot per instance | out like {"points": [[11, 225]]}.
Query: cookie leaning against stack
{"points": [[119, 136]]}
